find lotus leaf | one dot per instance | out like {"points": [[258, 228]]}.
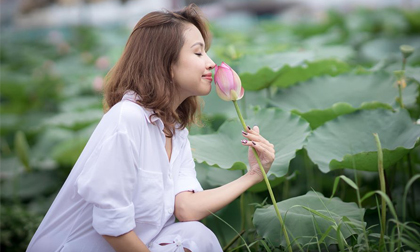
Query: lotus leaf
{"points": [[347, 142], [308, 218], [323, 98], [223, 149], [287, 68]]}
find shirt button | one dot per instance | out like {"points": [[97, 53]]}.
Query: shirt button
{"points": [[169, 176], [170, 210]]}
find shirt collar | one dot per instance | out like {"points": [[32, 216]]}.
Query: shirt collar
{"points": [[134, 97]]}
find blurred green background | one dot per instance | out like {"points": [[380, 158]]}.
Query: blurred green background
{"points": [[52, 70]]}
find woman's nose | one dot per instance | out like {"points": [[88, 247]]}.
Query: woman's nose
{"points": [[211, 64]]}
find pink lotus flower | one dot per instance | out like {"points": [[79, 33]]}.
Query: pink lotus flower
{"points": [[229, 88], [102, 63], [228, 83], [98, 84]]}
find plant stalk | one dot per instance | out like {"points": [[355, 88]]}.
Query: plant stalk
{"points": [[242, 206], [403, 63], [410, 172], [382, 182], [243, 103], [359, 203], [309, 170], [270, 191], [400, 96], [233, 240], [285, 193]]}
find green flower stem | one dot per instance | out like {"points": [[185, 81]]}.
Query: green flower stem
{"points": [[400, 96], [270, 191], [382, 181], [410, 168], [403, 63], [242, 206], [243, 103]]}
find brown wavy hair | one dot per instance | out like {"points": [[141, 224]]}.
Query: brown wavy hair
{"points": [[145, 66]]}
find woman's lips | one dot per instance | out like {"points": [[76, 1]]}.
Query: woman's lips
{"points": [[207, 76]]}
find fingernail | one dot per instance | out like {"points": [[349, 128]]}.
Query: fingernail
{"points": [[244, 141], [243, 132], [254, 143], [248, 127]]}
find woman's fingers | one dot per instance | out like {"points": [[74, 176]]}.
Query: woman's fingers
{"points": [[261, 148], [253, 135], [249, 142], [256, 129]]}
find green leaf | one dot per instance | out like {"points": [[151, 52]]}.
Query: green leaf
{"points": [[214, 177], [22, 149], [31, 185], [213, 105], [287, 68], [410, 71], [67, 152], [325, 98], [75, 120], [224, 149], [289, 76], [347, 180], [339, 239], [382, 48], [49, 139], [347, 139], [302, 213], [82, 103]]}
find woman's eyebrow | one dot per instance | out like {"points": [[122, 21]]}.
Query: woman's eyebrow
{"points": [[198, 43]]}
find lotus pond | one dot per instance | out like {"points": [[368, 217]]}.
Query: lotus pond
{"points": [[318, 90]]}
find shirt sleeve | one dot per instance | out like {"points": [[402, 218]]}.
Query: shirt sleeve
{"points": [[107, 181], [187, 176]]}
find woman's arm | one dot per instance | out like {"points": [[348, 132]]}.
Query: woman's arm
{"points": [[128, 242], [191, 206]]}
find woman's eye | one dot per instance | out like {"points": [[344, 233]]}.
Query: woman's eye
{"points": [[199, 54]]}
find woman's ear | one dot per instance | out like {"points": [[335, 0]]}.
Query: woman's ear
{"points": [[172, 72]]}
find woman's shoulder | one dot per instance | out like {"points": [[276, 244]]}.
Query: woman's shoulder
{"points": [[127, 113]]}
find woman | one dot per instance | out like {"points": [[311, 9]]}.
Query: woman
{"points": [[136, 173]]}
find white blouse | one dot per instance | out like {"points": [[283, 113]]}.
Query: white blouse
{"points": [[122, 181]]}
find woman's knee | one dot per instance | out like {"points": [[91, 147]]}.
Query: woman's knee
{"points": [[193, 236], [195, 228], [200, 235]]}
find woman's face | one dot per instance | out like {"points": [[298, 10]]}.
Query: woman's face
{"points": [[191, 73]]}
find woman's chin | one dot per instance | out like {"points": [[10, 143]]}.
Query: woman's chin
{"points": [[205, 91]]}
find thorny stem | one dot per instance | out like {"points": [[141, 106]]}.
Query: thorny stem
{"points": [[270, 191]]}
